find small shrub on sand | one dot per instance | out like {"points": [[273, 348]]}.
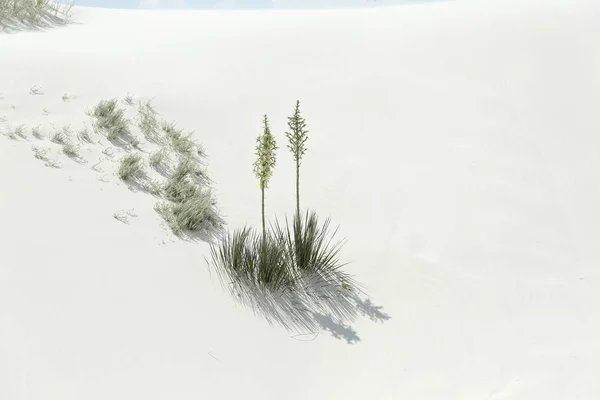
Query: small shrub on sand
{"points": [[130, 168]]}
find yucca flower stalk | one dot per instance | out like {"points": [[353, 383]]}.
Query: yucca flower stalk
{"points": [[297, 138], [265, 162]]}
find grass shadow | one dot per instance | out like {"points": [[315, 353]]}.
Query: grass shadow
{"points": [[311, 311], [261, 273]]}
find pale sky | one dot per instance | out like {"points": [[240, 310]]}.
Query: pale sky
{"points": [[240, 4]]}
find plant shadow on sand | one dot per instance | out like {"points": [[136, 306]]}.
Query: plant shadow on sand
{"points": [[315, 309]]}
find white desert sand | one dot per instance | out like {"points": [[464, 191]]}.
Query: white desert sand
{"points": [[455, 143]]}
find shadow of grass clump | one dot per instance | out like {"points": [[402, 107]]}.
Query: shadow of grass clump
{"points": [[23, 15]]}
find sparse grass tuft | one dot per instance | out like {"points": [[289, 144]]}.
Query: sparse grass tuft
{"points": [[130, 168], [183, 144], [110, 120], [70, 150], [158, 158], [36, 90], [180, 143], [192, 215], [183, 184], [124, 215], [84, 135], [37, 133], [61, 136], [128, 99], [148, 123], [42, 154], [16, 133]]}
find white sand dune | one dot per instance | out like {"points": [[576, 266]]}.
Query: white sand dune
{"points": [[455, 143]]}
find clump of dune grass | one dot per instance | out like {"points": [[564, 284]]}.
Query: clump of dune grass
{"points": [[42, 154], [16, 133], [180, 142], [37, 133], [84, 135], [33, 14], [190, 205], [185, 182], [128, 99], [158, 159], [148, 123], [70, 150], [110, 120], [130, 167], [194, 214], [180, 190], [61, 136]]}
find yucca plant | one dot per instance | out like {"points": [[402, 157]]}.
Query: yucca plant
{"points": [[312, 250], [265, 162], [297, 138]]}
